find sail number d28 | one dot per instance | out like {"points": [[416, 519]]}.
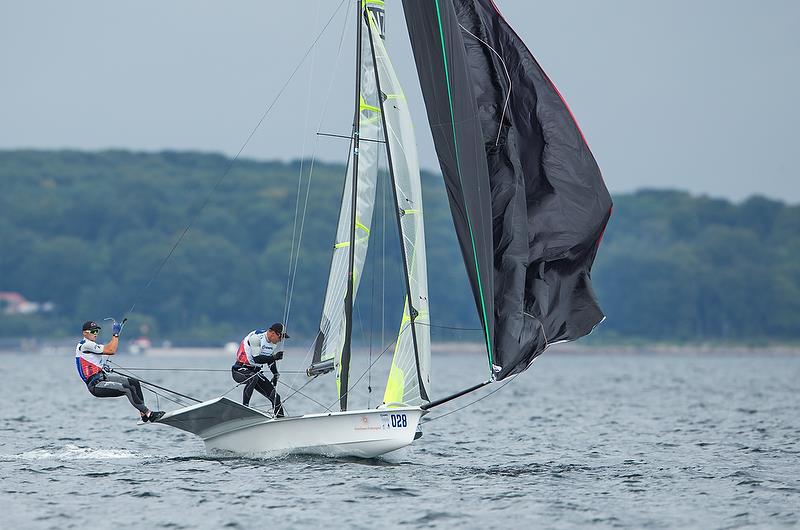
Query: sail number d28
{"points": [[399, 420]]}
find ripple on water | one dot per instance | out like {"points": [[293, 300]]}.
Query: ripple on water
{"points": [[392, 491], [575, 448], [432, 517]]}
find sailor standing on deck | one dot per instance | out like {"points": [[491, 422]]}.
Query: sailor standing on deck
{"points": [[255, 350], [92, 367]]}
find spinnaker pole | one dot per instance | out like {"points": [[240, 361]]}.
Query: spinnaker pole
{"points": [[442, 401]]}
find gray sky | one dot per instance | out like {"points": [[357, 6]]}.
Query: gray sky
{"points": [[687, 94]]}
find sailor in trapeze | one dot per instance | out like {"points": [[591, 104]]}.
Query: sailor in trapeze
{"points": [[91, 363]]}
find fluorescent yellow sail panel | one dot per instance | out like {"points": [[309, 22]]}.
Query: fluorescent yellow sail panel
{"points": [[395, 385]]}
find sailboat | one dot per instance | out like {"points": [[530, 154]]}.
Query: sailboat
{"points": [[529, 207]]}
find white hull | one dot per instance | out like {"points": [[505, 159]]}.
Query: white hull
{"points": [[228, 426]]}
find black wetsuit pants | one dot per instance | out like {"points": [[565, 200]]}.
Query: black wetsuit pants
{"points": [[112, 385], [255, 380]]}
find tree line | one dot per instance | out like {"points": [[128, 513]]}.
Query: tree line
{"points": [[197, 258]]}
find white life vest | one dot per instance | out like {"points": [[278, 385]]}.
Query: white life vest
{"points": [[255, 341], [89, 359]]}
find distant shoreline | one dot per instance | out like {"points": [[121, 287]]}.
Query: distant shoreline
{"points": [[573, 348], [640, 349]]}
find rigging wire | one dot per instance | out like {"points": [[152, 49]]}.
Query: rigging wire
{"points": [[472, 402], [197, 370], [142, 381], [298, 391], [291, 280], [310, 350], [293, 274], [285, 317], [353, 385], [446, 327], [235, 158], [163, 396], [294, 390], [508, 77]]}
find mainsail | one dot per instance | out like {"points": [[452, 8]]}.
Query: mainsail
{"points": [[332, 340], [527, 197], [409, 377], [383, 119]]}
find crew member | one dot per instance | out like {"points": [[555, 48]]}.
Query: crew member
{"points": [[256, 350], [93, 369]]}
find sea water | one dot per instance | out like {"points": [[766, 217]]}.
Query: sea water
{"points": [[602, 440]]}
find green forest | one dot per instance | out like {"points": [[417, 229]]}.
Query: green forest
{"points": [[87, 235]]}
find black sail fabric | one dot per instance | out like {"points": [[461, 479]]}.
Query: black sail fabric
{"points": [[547, 201], [453, 117]]}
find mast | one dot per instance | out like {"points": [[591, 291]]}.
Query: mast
{"points": [[344, 369], [412, 312]]}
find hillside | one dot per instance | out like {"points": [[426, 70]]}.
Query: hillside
{"points": [[88, 231]]}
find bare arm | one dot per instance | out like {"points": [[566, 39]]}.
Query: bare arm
{"points": [[111, 347]]}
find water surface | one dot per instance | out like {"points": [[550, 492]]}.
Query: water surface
{"points": [[638, 441]]}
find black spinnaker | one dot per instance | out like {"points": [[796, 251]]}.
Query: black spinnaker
{"points": [[527, 198]]}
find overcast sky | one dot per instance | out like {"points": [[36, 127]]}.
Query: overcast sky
{"points": [[699, 95]]}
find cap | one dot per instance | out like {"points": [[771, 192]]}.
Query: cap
{"points": [[277, 327], [90, 324]]}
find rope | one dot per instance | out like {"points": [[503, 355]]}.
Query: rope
{"points": [[297, 391], [447, 327], [508, 78], [148, 382], [328, 408], [473, 402], [200, 370], [235, 158], [295, 250], [165, 396], [294, 391], [285, 316]]}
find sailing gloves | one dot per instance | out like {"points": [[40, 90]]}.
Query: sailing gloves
{"points": [[116, 328]]}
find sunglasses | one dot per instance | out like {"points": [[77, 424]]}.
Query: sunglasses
{"points": [[93, 331]]}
